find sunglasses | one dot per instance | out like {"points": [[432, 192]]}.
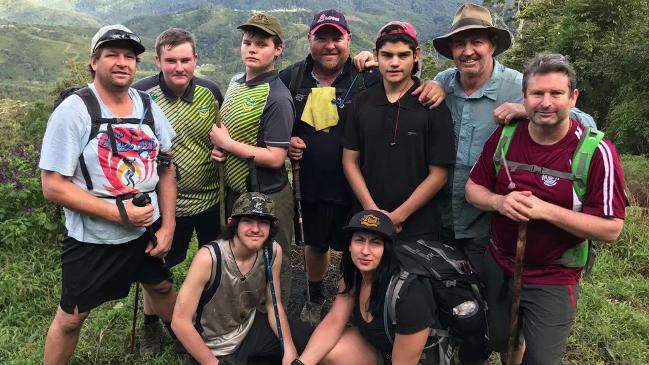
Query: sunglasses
{"points": [[116, 35]]}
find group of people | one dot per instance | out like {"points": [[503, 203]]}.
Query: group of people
{"points": [[463, 159]]}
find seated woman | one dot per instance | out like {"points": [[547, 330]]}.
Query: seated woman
{"points": [[367, 268]]}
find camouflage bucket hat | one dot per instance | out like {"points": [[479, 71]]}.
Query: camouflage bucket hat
{"points": [[254, 204]]}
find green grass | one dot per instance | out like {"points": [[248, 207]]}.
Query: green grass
{"points": [[29, 294]]}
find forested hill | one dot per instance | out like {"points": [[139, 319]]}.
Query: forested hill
{"points": [[428, 15], [39, 36]]}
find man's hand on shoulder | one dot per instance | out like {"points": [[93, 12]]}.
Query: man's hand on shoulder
{"points": [[364, 60], [296, 148], [431, 94], [507, 112]]}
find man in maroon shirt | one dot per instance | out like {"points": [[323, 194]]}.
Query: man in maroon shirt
{"points": [[557, 220]]}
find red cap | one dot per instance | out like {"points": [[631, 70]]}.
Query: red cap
{"points": [[400, 28]]}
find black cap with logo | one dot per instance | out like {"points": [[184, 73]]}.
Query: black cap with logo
{"points": [[371, 221]]}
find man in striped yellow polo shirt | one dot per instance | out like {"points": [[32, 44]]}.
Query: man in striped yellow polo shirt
{"points": [[192, 106]]}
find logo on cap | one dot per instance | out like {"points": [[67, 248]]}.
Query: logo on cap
{"points": [[260, 18], [370, 220], [324, 17]]}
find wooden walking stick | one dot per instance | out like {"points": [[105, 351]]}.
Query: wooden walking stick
{"points": [[516, 289]]}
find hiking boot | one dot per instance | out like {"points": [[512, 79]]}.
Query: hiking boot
{"points": [[178, 347], [151, 339], [311, 313]]}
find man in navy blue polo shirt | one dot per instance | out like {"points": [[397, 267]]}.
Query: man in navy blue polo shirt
{"points": [[326, 75]]}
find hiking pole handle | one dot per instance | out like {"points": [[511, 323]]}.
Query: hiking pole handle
{"points": [[142, 200], [516, 290]]}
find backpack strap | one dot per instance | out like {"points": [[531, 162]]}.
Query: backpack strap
{"points": [[297, 75], [503, 144], [148, 111], [94, 111], [210, 289], [396, 284], [588, 143]]}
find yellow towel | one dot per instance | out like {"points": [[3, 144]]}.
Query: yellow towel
{"points": [[319, 111]]}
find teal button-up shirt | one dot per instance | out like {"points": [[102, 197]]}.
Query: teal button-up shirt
{"points": [[474, 123]]}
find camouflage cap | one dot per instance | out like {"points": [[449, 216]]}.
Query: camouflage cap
{"points": [[254, 204], [266, 23], [371, 221]]}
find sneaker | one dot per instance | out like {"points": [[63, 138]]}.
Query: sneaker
{"points": [[311, 313], [151, 339]]}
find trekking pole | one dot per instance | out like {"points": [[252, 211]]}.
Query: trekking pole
{"points": [[516, 289], [133, 323], [254, 187], [141, 200], [269, 273], [221, 171], [297, 190]]}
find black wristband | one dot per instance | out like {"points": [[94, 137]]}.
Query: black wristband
{"points": [[122, 211], [297, 362]]}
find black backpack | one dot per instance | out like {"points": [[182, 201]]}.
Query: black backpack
{"points": [[454, 285]]}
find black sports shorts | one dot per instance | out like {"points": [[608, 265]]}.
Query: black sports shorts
{"points": [[207, 228], [93, 274], [323, 223]]}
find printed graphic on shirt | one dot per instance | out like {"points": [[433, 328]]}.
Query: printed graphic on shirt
{"points": [[135, 161]]}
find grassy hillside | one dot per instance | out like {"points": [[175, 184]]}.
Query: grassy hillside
{"points": [[32, 58], [45, 12]]}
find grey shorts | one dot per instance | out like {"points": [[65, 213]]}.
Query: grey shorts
{"points": [[546, 315]]}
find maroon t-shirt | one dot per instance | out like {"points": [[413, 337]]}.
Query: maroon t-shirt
{"points": [[546, 242]]}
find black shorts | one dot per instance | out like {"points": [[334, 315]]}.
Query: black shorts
{"points": [[92, 274], [207, 228], [323, 223], [261, 343], [546, 315]]}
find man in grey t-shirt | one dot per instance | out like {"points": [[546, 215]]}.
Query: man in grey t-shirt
{"points": [[100, 150]]}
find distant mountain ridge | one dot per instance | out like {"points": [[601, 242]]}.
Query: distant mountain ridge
{"points": [[32, 55]]}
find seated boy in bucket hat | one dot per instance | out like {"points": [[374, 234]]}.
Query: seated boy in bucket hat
{"points": [[226, 306]]}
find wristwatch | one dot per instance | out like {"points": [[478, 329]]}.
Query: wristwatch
{"points": [[297, 362]]}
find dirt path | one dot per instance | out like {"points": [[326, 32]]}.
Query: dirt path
{"points": [[298, 284]]}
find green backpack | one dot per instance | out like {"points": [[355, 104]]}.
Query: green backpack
{"points": [[583, 254]]}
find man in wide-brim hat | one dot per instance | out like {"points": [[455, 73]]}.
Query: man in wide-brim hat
{"points": [[471, 16]]}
